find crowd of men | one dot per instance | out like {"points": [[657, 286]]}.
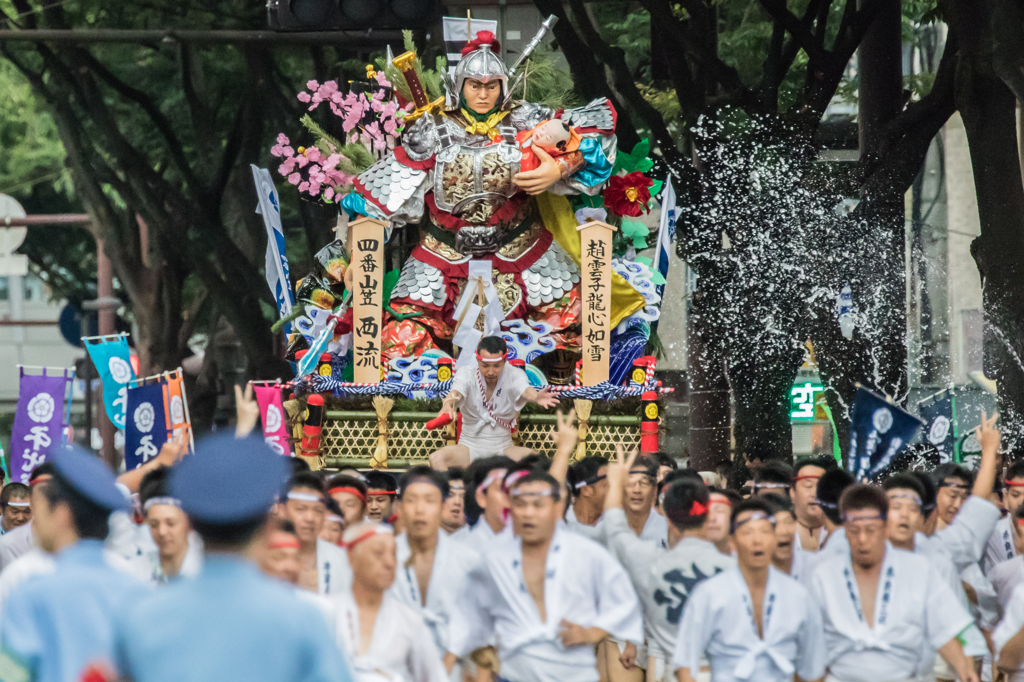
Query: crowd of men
{"points": [[234, 563]]}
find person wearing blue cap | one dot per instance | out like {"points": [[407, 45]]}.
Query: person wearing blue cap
{"points": [[231, 622], [56, 626]]}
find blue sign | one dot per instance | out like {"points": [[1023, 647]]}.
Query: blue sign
{"points": [[145, 429]]}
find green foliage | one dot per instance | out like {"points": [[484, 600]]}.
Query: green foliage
{"points": [[547, 81], [635, 234], [637, 159]]}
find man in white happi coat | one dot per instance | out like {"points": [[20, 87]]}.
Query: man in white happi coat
{"points": [[785, 557], [810, 529], [964, 519], [489, 393], [547, 594], [719, 510], [665, 577], [904, 493], [486, 505], [830, 488], [325, 568], [1004, 544], [752, 622], [1008, 638], [588, 486], [1005, 576], [385, 640], [432, 567], [884, 609]]}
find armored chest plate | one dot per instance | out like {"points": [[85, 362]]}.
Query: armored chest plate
{"points": [[472, 182]]}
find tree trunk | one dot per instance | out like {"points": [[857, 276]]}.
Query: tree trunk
{"points": [[709, 392], [988, 109]]}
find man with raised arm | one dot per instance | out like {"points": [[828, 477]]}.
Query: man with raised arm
{"points": [[663, 577], [489, 393]]}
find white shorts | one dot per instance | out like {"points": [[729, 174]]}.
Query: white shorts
{"points": [[486, 445]]}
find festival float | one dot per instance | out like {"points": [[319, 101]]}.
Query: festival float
{"points": [[437, 247]]}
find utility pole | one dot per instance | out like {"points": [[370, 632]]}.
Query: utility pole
{"points": [[105, 304]]}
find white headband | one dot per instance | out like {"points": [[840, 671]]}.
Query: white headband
{"points": [[495, 475], [167, 501], [304, 497], [19, 504], [334, 518]]}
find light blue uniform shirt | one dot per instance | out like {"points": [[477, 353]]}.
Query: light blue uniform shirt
{"points": [[55, 625], [229, 623]]}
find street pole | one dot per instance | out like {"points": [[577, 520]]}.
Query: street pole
{"points": [[105, 292]]}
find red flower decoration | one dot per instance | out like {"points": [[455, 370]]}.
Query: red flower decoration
{"points": [[698, 509], [628, 196], [483, 38]]}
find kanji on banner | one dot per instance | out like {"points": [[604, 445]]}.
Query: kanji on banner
{"points": [[145, 429], [275, 429], [113, 362], [596, 289], [38, 421], [878, 432], [368, 261]]}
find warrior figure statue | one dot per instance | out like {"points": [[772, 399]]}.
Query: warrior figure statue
{"points": [[463, 166]]}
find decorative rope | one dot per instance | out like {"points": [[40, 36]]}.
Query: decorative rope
{"points": [[320, 384], [382, 406], [583, 408]]}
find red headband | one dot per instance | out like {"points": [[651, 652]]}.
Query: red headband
{"points": [[698, 509], [284, 543], [41, 478], [371, 493], [1014, 485], [365, 536], [491, 360], [805, 476], [719, 499], [352, 491]]}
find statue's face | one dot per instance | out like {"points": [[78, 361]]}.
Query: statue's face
{"points": [[481, 97]]}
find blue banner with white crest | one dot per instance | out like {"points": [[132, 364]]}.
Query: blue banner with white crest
{"points": [[879, 430]]}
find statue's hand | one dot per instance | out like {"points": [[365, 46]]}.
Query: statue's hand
{"points": [[541, 178]]}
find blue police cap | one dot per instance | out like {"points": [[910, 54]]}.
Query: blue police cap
{"points": [[89, 476], [229, 480]]}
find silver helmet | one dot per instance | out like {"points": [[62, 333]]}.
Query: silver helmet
{"points": [[483, 65]]}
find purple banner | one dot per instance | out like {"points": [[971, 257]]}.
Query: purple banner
{"points": [[38, 422]]}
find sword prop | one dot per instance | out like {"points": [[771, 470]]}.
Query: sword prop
{"points": [[406, 63]]}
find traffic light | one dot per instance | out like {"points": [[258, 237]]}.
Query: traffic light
{"points": [[321, 15]]}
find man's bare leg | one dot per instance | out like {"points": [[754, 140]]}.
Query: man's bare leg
{"points": [[450, 456], [516, 453]]}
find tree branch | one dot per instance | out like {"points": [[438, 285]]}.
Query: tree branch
{"points": [[906, 139], [798, 28], [723, 74], [161, 122], [623, 81]]}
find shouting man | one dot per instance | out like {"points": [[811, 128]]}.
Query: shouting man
{"points": [[489, 394]]}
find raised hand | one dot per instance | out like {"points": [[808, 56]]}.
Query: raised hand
{"points": [[564, 434], [618, 469], [987, 433], [247, 411]]}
